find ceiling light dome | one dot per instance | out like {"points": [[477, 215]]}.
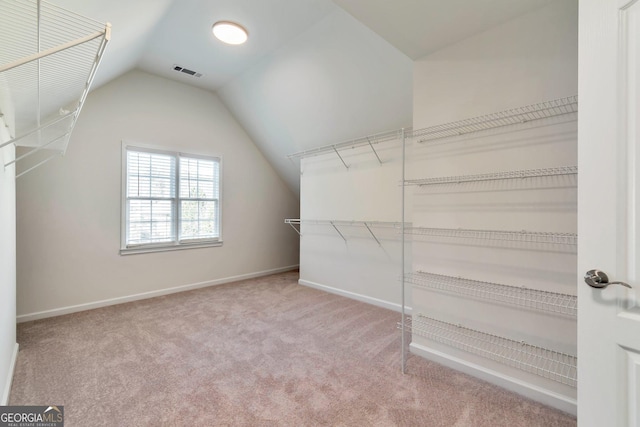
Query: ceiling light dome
{"points": [[230, 32]]}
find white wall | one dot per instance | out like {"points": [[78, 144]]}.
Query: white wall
{"points": [[337, 81], [8, 347], [368, 191], [69, 209], [530, 59]]}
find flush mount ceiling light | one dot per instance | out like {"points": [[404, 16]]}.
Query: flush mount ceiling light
{"points": [[230, 32]]}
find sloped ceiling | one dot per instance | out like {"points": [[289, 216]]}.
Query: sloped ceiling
{"points": [[133, 22], [184, 36], [418, 28], [338, 80], [314, 72]]}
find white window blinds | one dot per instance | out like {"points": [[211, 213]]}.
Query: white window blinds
{"points": [[171, 199], [199, 194]]}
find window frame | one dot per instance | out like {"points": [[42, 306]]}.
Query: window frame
{"points": [[177, 243]]}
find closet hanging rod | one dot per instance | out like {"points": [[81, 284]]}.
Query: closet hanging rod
{"points": [[533, 299], [550, 364], [542, 110], [521, 174]]}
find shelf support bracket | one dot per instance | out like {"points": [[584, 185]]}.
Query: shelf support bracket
{"points": [[340, 157], [338, 231], [372, 235], [374, 151], [294, 227]]}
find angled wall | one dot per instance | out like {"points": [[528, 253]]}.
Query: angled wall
{"points": [[338, 80], [69, 209], [361, 260]]}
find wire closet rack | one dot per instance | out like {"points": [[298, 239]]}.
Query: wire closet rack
{"points": [[521, 174], [567, 106], [550, 364], [47, 64], [366, 141], [544, 362], [369, 225], [533, 299], [497, 235]]}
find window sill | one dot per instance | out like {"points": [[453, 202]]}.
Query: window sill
{"points": [[151, 249]]}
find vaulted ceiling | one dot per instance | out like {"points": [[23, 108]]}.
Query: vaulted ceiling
{"points": [[314, 72]]}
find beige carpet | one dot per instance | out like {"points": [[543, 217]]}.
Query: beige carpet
{"points": [[263, 352]]}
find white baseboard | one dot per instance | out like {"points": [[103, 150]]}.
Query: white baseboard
{"points": [[359, 297], [547, 397], [145, 295], [9, 381]]}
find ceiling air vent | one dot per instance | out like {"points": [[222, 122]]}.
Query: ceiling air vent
{"points": [[186, 71]]}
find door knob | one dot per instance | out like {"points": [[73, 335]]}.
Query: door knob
{"points": [[599, 279]]}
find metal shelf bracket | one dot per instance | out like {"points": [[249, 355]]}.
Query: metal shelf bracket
{"points": [[372, 234], [374, 151], [369, 225], [293, 223], [338, 231]]}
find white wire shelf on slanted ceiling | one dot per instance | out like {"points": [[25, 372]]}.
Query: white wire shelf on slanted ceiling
{"points": [[48, 61], [366, 141], [562, 107]]}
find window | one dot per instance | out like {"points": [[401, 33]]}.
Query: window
{"points": [[171, 200]]}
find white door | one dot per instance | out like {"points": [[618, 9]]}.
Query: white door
{"points": [[609, 212]]}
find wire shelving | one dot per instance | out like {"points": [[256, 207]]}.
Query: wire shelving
{"points": [[336, 224], [523, 236], [521, 174], [366, 141], [534, 299], [543, 110], [550, 364], [47, 65]]}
